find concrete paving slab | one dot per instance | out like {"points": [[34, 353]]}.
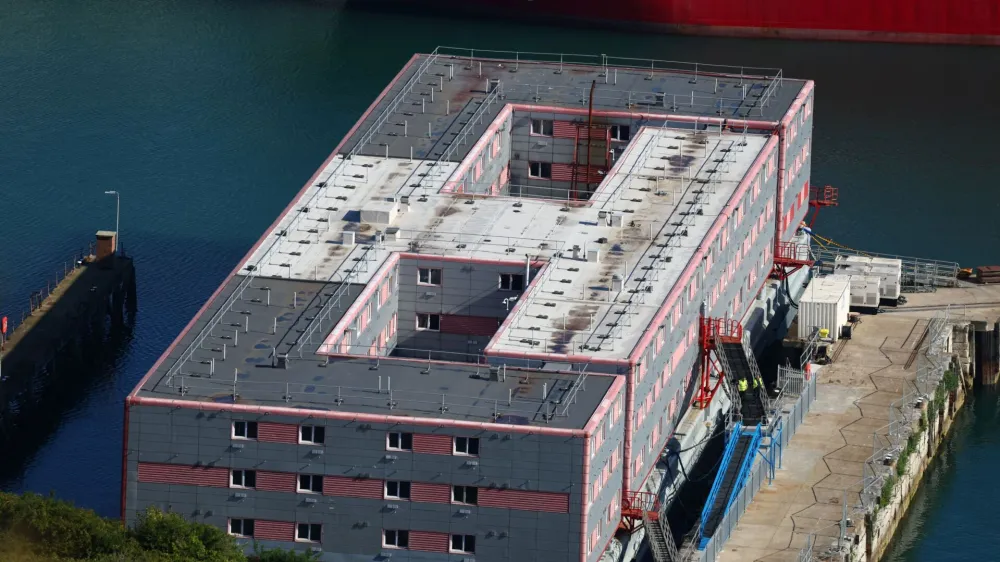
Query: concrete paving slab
{"points": [[826, 456]]}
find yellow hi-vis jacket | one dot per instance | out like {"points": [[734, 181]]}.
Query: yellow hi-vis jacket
{"points": [[742, 385]]}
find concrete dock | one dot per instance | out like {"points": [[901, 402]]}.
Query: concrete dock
{"points": [[824, 462], [67, 325]]}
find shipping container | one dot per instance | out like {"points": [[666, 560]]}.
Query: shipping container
{"points": [[824, 305]]}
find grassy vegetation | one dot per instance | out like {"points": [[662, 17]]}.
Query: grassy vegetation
{"points": [[34, 528]]}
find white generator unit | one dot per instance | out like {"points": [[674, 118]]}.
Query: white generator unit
{"points": [[824, 305], [866, 291], [889, 270]]}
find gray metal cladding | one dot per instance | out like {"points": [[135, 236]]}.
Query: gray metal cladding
{"points": [[609, 498], [353, 526], [688, 366], [797, 146], [466, 289]]}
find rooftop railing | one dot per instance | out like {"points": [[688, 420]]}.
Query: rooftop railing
{"points": [[552, 399]]}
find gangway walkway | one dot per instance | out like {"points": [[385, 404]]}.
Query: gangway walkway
{"points": [[737, 460]]}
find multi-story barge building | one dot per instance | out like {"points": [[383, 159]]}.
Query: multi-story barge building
{"points": [[477, 329]]}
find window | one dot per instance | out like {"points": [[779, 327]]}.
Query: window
{"points": [[511, 282], [428, 276], [466, 445], [309, 532], [620, 132], [399, 441], [245, 430], [314, 434], [241, 527], [398, 539], [429, 322], [397, 490], [311, 483], [465, 494], [541, 127], [463, 543], [541, 170], [243, 479]]}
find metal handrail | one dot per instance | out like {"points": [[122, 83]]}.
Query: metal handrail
{"points": [[327, 308], [254, 268], [606, 61], [382, 397]]}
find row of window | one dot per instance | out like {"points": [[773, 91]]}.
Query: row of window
{"points": [[391, 538], [308, 434], [432, 276], [546, 128], [394, 441], [392, 489]]}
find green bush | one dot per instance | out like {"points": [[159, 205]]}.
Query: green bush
{"points": [[34, 528], [950, 381], [886, 496], [904, 456]]}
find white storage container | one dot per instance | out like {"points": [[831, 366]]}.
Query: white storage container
{"points": [[866, 291], [824, 305]]}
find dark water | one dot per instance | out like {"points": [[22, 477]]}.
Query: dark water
{"points": [[208, 115]]}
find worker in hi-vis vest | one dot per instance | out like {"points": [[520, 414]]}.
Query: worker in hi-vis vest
{"points": [[756, 383], [742, 385]]}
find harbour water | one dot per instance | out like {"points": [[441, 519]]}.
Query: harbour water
{"points": [[208, 115]]}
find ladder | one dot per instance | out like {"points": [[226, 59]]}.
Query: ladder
{"points": [[661, 542]]}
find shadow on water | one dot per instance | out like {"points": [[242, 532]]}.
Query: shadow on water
{"points": [[33, 427], [68, 347]]}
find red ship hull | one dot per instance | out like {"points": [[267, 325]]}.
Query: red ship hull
{"points": [[973, 22]]}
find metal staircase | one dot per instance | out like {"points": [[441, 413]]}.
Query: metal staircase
{"points": [[661, 540], [739, 363]]}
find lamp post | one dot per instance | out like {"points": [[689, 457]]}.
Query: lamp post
{"points": [[118, 208]]}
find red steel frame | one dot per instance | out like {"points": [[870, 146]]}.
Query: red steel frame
{"points": [[819, 197], [635, 505], [788, 258], [710, 329]]}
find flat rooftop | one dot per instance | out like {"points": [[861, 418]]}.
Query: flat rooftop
{"points": [[387, 386], [668, 187]]}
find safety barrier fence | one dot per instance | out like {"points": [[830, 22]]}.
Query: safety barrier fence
{"points": [[796, 405]]}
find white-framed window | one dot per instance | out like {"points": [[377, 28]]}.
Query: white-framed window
{"points": [[465, 544], [428, 276], [430, 322], [310, 483], [465, 494], [541, 127], [309, 532], [540, 170], [511, 281], [244, 430], [397, 489], [466, 445], [241, 527], [620, 132], [395, 539], [312, 434], [396, 441], [243, 479]]}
